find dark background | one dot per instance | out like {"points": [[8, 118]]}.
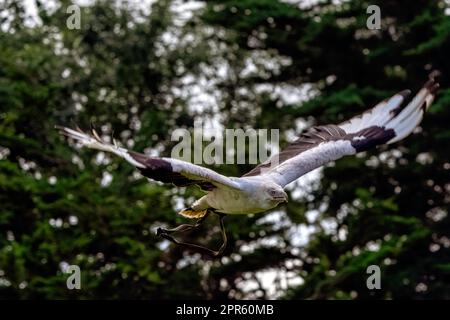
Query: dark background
{"points": [[144, 71]]}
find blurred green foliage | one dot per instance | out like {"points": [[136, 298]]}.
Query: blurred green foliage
{"points": [[130, 70]]}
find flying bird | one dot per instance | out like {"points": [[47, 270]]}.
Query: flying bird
{"points": [[262, 188]]}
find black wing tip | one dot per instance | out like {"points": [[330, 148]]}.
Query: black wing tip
{"points": [[435, 74], [432, 85], [61, 130], [64, 129], [405, 93]]}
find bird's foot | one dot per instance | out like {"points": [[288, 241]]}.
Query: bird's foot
{"points": [[166, 234]]}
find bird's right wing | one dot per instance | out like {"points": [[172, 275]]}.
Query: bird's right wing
{"points": [[386, 123], [167, 170]]}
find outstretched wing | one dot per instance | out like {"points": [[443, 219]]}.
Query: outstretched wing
{"points": [[167, 170], [386, 123]]}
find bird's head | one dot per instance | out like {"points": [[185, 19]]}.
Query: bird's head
{"points": [[276, 193]]}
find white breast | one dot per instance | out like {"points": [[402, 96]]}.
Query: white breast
{"points": [[247, 201]]}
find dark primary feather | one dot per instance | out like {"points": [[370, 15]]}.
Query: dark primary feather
{"points": [[161, 170], [373, 136]]}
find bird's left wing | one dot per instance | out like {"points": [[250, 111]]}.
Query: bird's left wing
{"points": [[167, 170], [387, 122]]}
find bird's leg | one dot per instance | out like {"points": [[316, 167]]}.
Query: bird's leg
{"points": [[165, 233], [224, 235], [182, 227]]}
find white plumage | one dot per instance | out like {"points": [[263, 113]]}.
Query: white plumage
{"points": [[262, 188]]}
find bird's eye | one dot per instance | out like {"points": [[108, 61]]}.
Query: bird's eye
{"points": [[272, 192]]}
